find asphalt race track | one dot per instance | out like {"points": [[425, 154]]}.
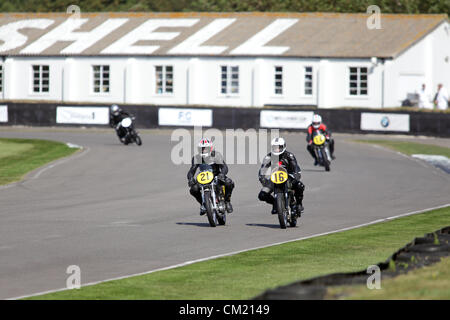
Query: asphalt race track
{"points": [[117, 210]]}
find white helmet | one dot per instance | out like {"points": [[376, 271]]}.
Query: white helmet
{"points": [[316, 121], [278, 146], [205, 147], [115, 109]]}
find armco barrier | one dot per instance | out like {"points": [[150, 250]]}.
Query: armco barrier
{"points": [[338, 120], [423, 251]]}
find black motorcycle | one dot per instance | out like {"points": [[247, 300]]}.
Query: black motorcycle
{"points": [[321, 150], [129, 134], [213, 195], [284, 197]]}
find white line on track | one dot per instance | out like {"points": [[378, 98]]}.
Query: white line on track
{"points": [[240, 251]]}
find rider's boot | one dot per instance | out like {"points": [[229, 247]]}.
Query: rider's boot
{"points": [[228, 206], [274, 208], [202, 210]]}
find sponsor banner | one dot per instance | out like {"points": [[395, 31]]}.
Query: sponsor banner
{"points": [[184, 117], [4, 113], [384, 122], [285, 119], [82, 115]]}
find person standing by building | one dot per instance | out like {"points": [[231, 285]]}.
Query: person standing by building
{"points": [[424, 98], [441, 98]]}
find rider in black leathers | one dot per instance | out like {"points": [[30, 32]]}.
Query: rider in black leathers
{"points": [[116, 115], [280, 154], [208, 155]]}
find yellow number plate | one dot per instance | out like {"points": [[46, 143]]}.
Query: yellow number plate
{"points": [[205, 177], [319, 139], [279, 177]]}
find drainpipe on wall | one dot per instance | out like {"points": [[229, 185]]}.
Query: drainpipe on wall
{"points": [[382, 83], [3, 78], [62, 84]]}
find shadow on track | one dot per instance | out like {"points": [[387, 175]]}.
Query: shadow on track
{"points": [[264, 225], [197, 224]]}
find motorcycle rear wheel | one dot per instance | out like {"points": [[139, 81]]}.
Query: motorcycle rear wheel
{"points": [[222, 219]]}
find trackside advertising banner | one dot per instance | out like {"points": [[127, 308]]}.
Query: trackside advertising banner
{"points": [[285, 119], [82, 115], [185, 117], [384, 122], [4, 113]]}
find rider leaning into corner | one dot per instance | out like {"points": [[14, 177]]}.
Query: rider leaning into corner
{"points": [[116, 115], [280, 154], [317, 125], [207, 154]]}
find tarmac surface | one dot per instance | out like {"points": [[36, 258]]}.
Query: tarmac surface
{"points": [[116, 210]]}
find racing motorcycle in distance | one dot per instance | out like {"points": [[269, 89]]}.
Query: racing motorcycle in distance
{"points": [[321, 149], [213, 195], [131, 135], [284, 196]]}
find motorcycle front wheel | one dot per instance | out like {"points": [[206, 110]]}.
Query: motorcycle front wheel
{"points": [[138, 140], [210, 212], [281, 209]]}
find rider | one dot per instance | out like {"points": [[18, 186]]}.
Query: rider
{"points": [[207, 154], [277, 155], [116, 115], [317, 125]]}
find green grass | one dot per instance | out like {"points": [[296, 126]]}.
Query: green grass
{"points": [[432, 282], [247, 274], [410, 148], [20, 156]]}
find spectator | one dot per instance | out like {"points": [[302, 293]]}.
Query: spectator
{"points": [[441, 98], [424, 98]]}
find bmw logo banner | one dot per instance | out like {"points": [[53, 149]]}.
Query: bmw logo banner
{"points": [[371, 121]]}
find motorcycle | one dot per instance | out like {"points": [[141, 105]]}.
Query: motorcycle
{"points": [[322, 150], [131, 135], [284, 196], [213, 195]]}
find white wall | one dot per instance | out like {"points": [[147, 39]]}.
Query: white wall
{"points": [[335, 83], [425, 62], [440, 40], [293, 81], [18, 78]]}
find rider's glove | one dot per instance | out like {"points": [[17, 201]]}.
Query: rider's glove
{"points": [[221, 177], [297, 176], [191, 182], [310, 142]]}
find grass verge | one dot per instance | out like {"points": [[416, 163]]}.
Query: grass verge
{"points": [[410, 148], [247, 274], [432, 282], [20, 156]]}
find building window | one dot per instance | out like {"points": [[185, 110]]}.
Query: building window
{"points": [[229, 80], [358, 81], [308, 81], [278, 80], [1, 78], [41, 78], [164, 79], [101, 78]]}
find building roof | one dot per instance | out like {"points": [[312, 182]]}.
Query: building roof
{"points": [[316, 35]]}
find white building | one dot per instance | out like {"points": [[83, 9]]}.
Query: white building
{"points": [[224, 59]]}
